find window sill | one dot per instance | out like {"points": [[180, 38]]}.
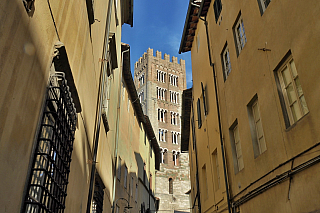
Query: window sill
{"points": [[296, 123]]}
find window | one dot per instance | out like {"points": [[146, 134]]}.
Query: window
{"points": [[117, 209], [48, 180], [162, 135], [236, 148], [175, 155], [263, 4], [204, 181], [291, 93], [90, 11], [119, 168], [226, 63], [239, 34], [216, 173], [173, 80], [28, 4], [162, 115], [174, 96], [217, 6], [204, 97], [258, 139], [199, 113], [175, 136], [170, 186], [125, 177], [161, 93], [97, 201], [174, 118], [141, 96], [141, 80], [161, 155], [161, 76]]}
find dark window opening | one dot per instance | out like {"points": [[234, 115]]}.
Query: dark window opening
{"points": [[217, 6], [199, 114], [97, 202], [170, 186]]}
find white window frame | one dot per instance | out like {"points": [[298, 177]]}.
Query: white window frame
{"points": [[261, 141], [226, 62], [174, 97], [161, 76], [216, 170], [238, 149], [240, 35], [175, 137], [296, 90], [162, 135], [264, 5], [174, 118], [162, 115]]}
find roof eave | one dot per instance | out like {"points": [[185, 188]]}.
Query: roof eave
{"points": [[185, 27], [127, 76]]}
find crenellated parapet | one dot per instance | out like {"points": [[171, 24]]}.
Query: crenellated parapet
{"points": [[158, 56]]}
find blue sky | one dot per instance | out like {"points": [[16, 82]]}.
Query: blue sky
{"points": [[157, 24]]}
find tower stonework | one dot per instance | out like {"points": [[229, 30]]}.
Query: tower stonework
{"points": [[160, 83]]}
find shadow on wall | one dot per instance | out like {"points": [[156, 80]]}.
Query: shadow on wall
{"points": [[24, 74]]}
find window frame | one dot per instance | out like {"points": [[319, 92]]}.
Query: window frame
{"points": [[217, 7], [50, 164], [258, 147], [237, 157], [226, 65], [239, 41], [263, 5], [283, 94], [199, 113], [216, 173], [170, 186], [204, 181], [98, 196]]}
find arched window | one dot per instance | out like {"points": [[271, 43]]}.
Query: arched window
{"points": [[170, 186]]}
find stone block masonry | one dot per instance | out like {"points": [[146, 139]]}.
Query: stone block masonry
{"points": [[163, 77]]}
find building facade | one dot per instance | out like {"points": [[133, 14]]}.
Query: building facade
{"points": [[160, 83], [250, 120], [64, 104]]}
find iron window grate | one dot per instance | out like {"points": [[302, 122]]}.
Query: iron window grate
{"points": [[97, 202], [47, 187]]}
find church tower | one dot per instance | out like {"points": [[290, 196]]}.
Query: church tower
{"points": [[160, 83]]}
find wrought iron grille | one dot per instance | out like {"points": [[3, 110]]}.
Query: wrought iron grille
{"points": [[47, 187], [97, 202]]}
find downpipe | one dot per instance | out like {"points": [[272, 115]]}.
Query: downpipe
{"points": [[97, 131], [218, 115]]}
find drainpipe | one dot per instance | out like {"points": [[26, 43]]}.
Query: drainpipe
{"points": [[195, 147], [97, 132], [218, 115], [117, 135]]}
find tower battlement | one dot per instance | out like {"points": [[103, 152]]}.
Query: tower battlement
{"points": [[166, 58]]}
